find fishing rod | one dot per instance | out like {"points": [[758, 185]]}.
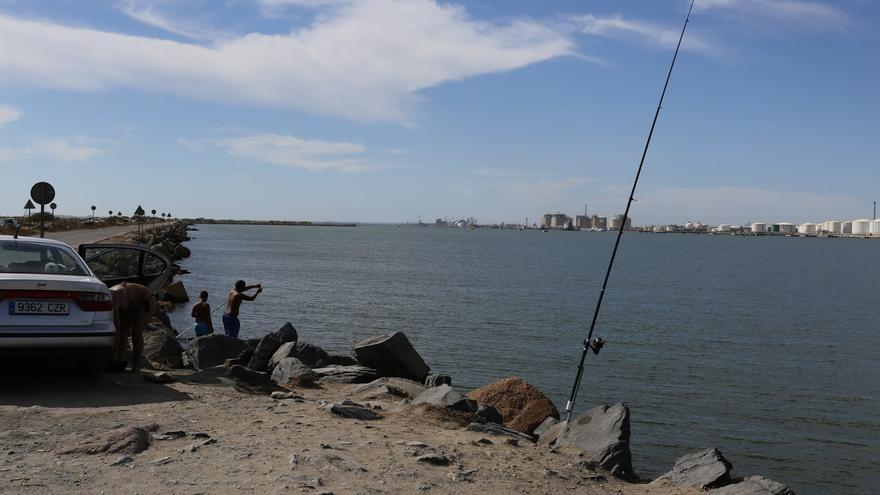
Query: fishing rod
{"points": [[595, 345]]}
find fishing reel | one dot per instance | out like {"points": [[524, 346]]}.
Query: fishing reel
{"points": [[595, 345]]}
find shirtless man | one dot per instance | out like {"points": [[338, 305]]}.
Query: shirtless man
{"points": [[231, 325], [133, 307]]}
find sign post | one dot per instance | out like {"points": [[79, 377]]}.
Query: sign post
{"points": [[93, 213], [43, 193], [140, 214]]}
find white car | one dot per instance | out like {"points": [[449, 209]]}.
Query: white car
{"points": [[52, 304]]}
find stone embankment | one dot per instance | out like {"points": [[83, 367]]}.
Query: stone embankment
{"points": [[388, 368], [167, 240]]}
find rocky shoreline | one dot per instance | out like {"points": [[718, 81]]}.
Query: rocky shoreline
{"points": [[279, 415]]}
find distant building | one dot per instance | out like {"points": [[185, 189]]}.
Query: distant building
{"points": [[600, 223], [441, 223], [555, 220], [583, 222], [618, 220], [545, 220]]}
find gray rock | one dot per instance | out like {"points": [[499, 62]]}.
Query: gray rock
{"points": [[704, 469], [548, 423], [292, 372], [754, 485], [278, 395], [488, 414], [498, 430], [286, 350], [392, 355], [264, 351], [346, 374], [213, 350], [388, 386], [158, 377], [287, 334], [122, 460], [435, 380], [124, 440], [243, 359], [603, 434], [435, 459], [161, 348], [548, 437], [311, 355], [251, 381], [445, 396], [348, 409], [341, 360], [207, 376]]}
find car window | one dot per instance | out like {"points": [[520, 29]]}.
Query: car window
{"points": [[24, 257], [153, 265], [112, 263]]}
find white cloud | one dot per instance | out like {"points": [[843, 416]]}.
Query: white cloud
{"points": [[617, 27], [816, 15], [9, 114], [289, 151], [66, 149], [361, 61], [146, 13]]}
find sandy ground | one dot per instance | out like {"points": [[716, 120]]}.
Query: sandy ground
{"points": [[260, 445]]}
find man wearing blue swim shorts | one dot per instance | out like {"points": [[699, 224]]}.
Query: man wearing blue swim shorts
{"points": [[231, 325]]}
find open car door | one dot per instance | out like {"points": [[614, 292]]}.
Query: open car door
{"points": [[117, 263]]}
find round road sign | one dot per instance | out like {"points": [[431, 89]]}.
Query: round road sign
{"points": [[43, 193]]}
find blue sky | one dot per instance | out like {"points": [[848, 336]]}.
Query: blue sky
{"points": [[384, 110]]}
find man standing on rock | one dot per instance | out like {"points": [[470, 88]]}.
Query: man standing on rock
{"points": [[231, 325]]}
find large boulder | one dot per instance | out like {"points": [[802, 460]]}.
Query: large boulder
{"points": [[704, 469], [435, 380], [291, 372], [346, 374], [388, 386], [161, 347], [522, 406], [285, 351], [392, 355], [264, 351], [445, 396], [176, 292], [754, 485], [251, 381], [602, 433], [213, 350], [312, 355], [287, 333]]}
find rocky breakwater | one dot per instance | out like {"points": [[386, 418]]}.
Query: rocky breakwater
{"points": [[386, 375], [167, 240]]}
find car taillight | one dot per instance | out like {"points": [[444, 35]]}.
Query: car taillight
{"points": [[94, 301]]}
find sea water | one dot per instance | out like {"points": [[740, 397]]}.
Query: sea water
{"points": [[766, 348]]}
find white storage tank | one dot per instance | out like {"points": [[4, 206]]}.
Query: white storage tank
{"points": [[689, 226], [847, 227], [861, 227], [786, 228], [875, 227], [723, 228], [807, 228], [759, 227], [834, 226]]}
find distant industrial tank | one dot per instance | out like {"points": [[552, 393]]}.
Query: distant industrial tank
{"points": [[807, 228], [875, 227], [847, 227], [786, 228], [723, 228], [834, 226], [861, 227], [759, 227]]}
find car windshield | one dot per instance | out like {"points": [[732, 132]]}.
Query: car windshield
{"points": [[18, 256]]}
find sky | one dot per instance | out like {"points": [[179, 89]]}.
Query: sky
{"points": [[391, 110]]}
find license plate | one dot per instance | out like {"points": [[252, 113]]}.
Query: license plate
{"points": [[59, 308]]}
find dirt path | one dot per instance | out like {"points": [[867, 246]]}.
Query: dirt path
{"points": [[255, 444]]}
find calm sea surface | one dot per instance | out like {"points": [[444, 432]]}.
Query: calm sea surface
{"points": [[766, 348]]}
